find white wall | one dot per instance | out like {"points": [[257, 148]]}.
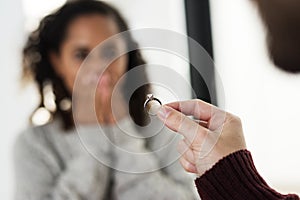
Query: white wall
{"points": [[12, 108], [266, 99]]}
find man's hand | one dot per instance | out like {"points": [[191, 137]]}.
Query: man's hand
{"points": [[209, 135]]}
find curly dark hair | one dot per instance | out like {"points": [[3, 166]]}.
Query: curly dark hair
{"points": [[49, 36]]}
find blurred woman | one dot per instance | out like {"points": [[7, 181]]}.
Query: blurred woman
{"points": [[50, 160]]}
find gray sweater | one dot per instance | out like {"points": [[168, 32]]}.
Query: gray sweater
{"points": [[82, 164]]}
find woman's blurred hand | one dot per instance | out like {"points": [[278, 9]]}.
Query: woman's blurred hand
{"points": [[209, 135]]}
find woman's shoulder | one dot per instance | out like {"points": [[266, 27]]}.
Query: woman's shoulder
{"points": [[34, 135], [34, 147], [36, 130]]}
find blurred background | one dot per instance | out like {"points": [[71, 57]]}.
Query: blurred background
{"points": [[265, 98]]}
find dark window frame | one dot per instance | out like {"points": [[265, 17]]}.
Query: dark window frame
{"points": [[199, 28]]}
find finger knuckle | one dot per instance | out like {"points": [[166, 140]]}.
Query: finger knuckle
{"points": [[176, 119], [184, 164], [233, 118], [180, 147]]}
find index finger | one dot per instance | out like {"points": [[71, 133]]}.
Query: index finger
{"points": [[181, 124], [199, 109]]}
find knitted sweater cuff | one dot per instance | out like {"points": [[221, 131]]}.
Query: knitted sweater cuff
{"points": [[235, 177]]}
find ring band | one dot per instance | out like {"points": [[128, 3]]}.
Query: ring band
{"points": [[150, 97]]}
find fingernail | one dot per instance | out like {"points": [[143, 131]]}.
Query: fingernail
{"points": [[163, 112]]}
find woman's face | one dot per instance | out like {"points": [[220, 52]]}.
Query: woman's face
{"points": [[83, 35]]}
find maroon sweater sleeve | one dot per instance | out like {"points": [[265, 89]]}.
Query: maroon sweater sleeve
{"points": [[236, 178]]}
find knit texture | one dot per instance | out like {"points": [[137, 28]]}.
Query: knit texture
{"points": [[236, 178], [51, 164]]}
